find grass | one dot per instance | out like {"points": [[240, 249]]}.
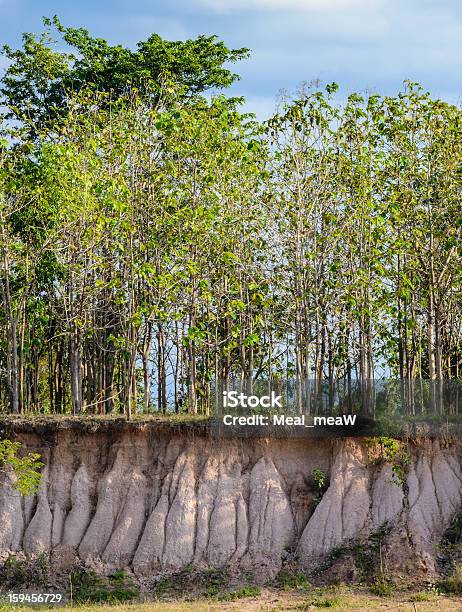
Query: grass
{"points": [[47, 424], [423, 596], [251, 599], [329, 602], [61, 419]]}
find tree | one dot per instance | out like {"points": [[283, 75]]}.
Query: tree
{"points": [[40, 80], [158, 248]]}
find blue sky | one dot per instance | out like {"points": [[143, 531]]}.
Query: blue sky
{"points": [[368, 45]]}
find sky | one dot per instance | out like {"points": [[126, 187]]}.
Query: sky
{"points": [[363, 45]]}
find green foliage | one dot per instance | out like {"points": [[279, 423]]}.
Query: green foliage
{"points": [[210, 583], [164, 586], [453, 535], [17, 572], [382, 587], [292, 580], [392, 451], [319, 478], [368, 554], [87, 586], [248, 591], [214, 581], [39, 79], [151, 237], [320, 483], [422, 596], [330, 602], [365, 553], [25, 467], [450, 549]]}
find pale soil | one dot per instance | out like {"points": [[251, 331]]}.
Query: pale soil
{"points": [[151, 499], [163, 504], [342, 600]]}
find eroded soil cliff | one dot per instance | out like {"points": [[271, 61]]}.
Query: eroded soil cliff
{"points": [[159, 499]]}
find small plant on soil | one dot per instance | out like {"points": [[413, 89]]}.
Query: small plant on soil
{"points": [[423, 596], [248, 591], [208, 583], [214, 581], [292, 580], [392, 451], [330, 602], [454, 533], [164, 586], [450, 551], [320, 484], [365, 554]]}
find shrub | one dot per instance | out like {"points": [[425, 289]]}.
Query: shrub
{"points": [[164, 586], [289, 580], [421, 597], [214, 580], [392, 451], [87, 586], [382, 587], [21, 572], [453, 584], [331, 602]]}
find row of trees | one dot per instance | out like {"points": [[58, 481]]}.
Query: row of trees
{"points": [[158, 248]]}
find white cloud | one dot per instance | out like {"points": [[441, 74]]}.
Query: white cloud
{"points": [[228, 6]]}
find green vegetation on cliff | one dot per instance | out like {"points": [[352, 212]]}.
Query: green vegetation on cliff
{"points": [[25, 467]]}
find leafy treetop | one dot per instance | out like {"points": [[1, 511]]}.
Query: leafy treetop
{"points": [[39, 78]]}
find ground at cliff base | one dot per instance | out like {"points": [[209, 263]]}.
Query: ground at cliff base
{"points": [[342, 599]]}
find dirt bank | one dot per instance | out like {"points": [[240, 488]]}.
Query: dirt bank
{"points": [[156, 498]]}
